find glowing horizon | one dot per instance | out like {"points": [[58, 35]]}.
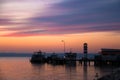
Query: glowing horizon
{"points": [[54, 44]]}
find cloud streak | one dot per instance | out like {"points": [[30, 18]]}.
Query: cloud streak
{"points": [[62, 17]]}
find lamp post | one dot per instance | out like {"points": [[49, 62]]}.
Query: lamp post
{"points": [[63, 44]]}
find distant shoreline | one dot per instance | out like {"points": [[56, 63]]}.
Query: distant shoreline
{"points": [[15, 55], [79, 55]]}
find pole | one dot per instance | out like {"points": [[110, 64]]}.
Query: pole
{"points": [[64, 45]]}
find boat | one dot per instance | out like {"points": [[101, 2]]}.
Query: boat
{"points": [[38, 57], [55, 59], [70, 58]]}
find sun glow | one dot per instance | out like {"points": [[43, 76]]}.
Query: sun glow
{"points": [[95, 41]]}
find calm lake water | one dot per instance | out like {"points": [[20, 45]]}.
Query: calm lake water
{"points": [[19, 68]]}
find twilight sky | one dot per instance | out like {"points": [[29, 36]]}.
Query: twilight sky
{"points": [[28, 25]]}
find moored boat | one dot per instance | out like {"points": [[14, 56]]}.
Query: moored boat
{"points": [[38, 57]]}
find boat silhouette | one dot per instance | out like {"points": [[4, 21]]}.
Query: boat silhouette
{"points": [[38, 57]]}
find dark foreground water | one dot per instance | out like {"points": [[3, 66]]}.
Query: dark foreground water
{"points": [[13, 68]]}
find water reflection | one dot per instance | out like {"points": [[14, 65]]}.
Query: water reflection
{"points": [[85, 72], [103, 70], [1, 75], [70, 71], [22, 69], [37, 67]]}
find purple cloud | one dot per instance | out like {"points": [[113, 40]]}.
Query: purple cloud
{"points": [[69, 17]]}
